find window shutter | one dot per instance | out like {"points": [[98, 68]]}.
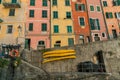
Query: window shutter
{"points": [[92, 24], [115, 15], [76, 7], [111, 16], [98, 24], [107, 16]]}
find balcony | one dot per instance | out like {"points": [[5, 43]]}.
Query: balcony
{"points": [[1, 20], [12, 4]]}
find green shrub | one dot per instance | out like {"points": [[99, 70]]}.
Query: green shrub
{"points": [[3, 62]]}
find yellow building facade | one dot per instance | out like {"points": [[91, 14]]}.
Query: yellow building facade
{"points": [[12, 25], [62, 33]]}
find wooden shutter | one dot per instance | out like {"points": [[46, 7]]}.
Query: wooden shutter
{"points": [[92, 24], [98, 24]]}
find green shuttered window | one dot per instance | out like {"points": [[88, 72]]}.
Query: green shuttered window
{"points": [[30, 26], [80, 7], [105, 3], [94, 24], [68, 14], [54, 2], [12, 12], [56, 29], [14, 1], [67, 2], [69, 29], [82, 21], [91, 8], [70, 41], [44, 13], [32, 2], [44, 2], [44, 27], [55, 14], [31, 13], [109, 15]]}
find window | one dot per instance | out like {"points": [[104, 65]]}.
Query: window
{"points": [[32, 2], [41, 43], [54, 2], [9, 29], [109, 15], [55, 14], [68, 14], [30, 26], [103, 34], [70, 41], [69, 29], [116, 2], [67, 2], [82, 21], [14, 1], [44, 2], [117, 15], [56, 29], [31, 13], [57, 44], [105, 3], [44, 13], [94, 24], [80, 7], [91, 8], [12, 12], [0, 1], [98, 8], [44, 27]]}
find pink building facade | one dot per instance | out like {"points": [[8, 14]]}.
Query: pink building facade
{"points": [[111, 10], [96, 21], [38, 24]]}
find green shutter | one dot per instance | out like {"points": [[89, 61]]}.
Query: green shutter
{"points": [[67, 2], [111, 16], [55, 14], [91, 8], [107, 15], [44, 27], [44, 2], [82, 23], [31, 13], [118, 1], [98, 8], [14, 1], [69, 29], [30, 26], [98, 24], [83, 7], [56, 29], [76, 7], [92, 24], [44, 13], [32, 2], [54, 2], [0, 1], [104, 3], [70, 41]]}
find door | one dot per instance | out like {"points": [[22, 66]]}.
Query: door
{"points": [[27, 43], [114, 33]]}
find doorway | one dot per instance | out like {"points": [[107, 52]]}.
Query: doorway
{"points": [[114, 33], [27, 43]]}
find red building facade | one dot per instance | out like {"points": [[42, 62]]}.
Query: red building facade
{"points": [[80, 21]]}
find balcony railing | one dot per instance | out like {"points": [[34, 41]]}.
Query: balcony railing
{"points": [[11, 4]]}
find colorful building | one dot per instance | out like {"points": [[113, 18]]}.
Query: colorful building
{"points": [[38, 24], [96, 20], [12, 21], [80, 21], [62, 32], [111, 10]]}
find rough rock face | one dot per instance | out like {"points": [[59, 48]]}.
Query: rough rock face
{"points": [[24, 72]]}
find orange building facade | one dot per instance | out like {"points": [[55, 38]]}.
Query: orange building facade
{"points": [[80, 21]]}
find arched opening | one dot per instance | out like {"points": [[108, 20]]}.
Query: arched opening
{"points": [[41, 45]]}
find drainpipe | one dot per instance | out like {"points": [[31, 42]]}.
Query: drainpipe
{"points": [[108, 36], [50, 24], [88, 21]]}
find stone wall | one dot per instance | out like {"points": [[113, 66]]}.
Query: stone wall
{"points": [[86, 52]]}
